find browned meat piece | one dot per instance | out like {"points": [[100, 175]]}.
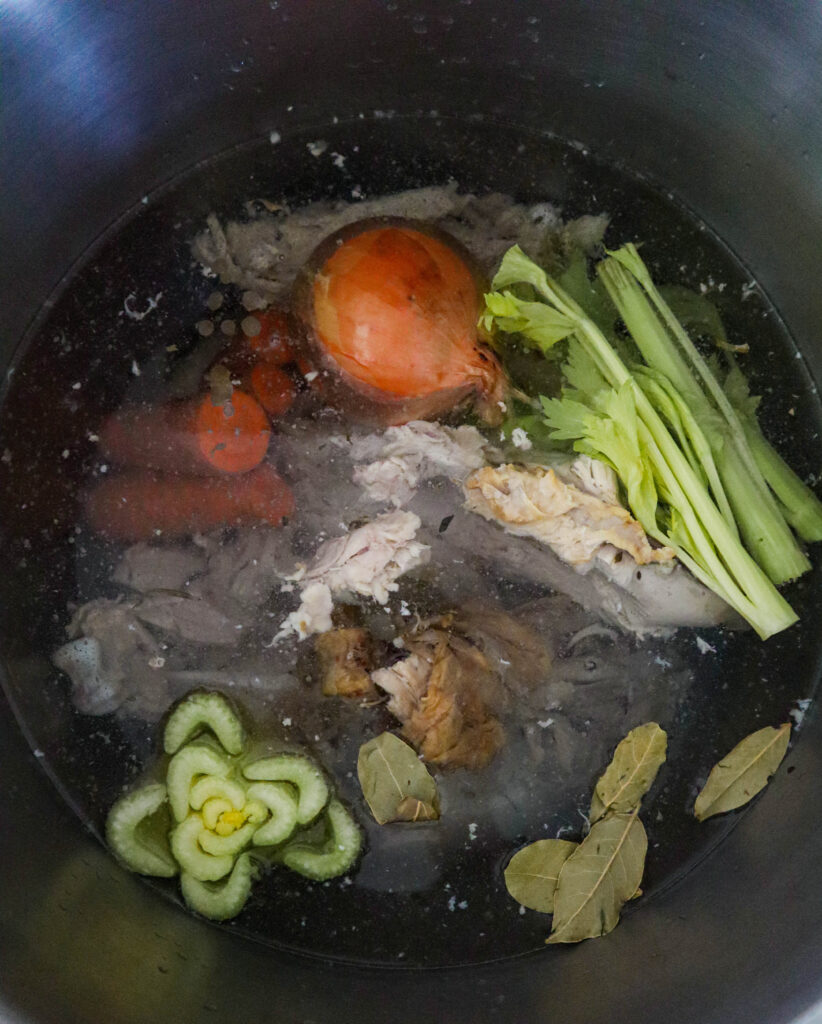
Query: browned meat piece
{"points": [[461, 673], [451, 724], [346, 658]]}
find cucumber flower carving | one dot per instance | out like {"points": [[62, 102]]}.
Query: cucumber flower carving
{"points": [[219, 817]]}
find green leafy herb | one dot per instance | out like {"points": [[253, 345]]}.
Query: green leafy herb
{"points": [[395, 783], [674, 490], [599, 877], [636, 761], [742, 773], [532, 873]]}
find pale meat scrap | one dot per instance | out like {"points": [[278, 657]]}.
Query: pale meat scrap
{"points": [[534, 502], [367, 562], [392, 465]]}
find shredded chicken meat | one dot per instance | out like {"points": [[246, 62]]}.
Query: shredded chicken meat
{"points": [[532, 501]]}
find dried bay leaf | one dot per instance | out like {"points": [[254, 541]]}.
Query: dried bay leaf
{"points": [[395, 783], [412, 809], [532, 873], [742, 773], [631, 773], [599, 877]]}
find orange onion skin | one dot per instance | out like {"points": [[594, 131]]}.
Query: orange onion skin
{"points": [[390, 309]]}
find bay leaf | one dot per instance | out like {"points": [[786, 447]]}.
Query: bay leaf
{"points": [[395, 783], [599, 877], [742, 773], [412, 809], [631, 773], [532, 873]]}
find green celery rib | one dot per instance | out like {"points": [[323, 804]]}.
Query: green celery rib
{"points": [[662, 342], [800, 505], [690, 435], [720, 560]]}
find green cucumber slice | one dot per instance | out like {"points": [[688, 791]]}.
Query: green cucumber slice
{"points": [[299, 770], [139, 850], [214, 786], [200, 711], [281, 800], [193, 760], [185, 845], [337, 853], [220, 902]]}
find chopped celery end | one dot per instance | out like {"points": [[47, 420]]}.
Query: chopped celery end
{"points": [[335, 856], [281, 800], [230, 844], [200, 712], [213, 809], [301, 772], [187, 764], [192, 858], [222, 900], [129, 833], [211, 786]]}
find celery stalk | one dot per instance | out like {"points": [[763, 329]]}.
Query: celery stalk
{"points": [[666, 347], [800, 505], [706, 541]]}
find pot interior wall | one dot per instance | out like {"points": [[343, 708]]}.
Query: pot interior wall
{"points": [[648, 100]]}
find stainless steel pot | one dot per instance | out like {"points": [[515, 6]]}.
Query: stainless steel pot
{"points": [[719, 102]]}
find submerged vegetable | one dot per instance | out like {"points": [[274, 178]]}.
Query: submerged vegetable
{"points": [[223, 900], [197, 437], [220, 818], [140, 505], [302, 773], [337, 853], [666, 348], [392, 317], [200, 711], [638, 422], [145, 854]]}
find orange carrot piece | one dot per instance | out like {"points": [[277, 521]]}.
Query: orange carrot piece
{"points": [[273, 343], [142, 505], [194, 437], [272, 388]]}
